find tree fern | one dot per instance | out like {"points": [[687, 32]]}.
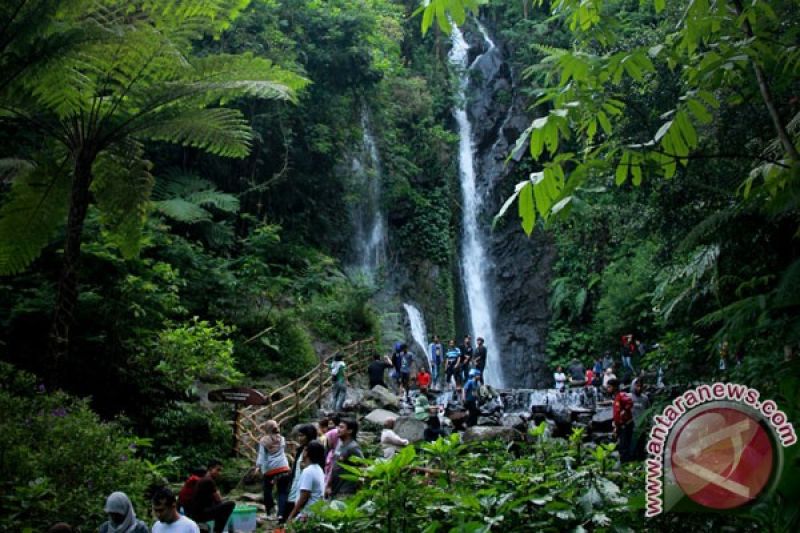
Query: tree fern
{"points": [[31, 215], [122, 192], [218, 131], [182, 210]]}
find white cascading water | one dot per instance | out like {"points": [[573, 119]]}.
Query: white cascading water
{"points": [[418, 331], [370, 226], [473, 252]]}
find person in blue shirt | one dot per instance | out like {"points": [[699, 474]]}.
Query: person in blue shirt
{"points": [[435, 356], [450, 370], [471, 388]]}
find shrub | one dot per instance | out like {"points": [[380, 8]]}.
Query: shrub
{"points": [[59, 461], [192, 434], [196, 350]]}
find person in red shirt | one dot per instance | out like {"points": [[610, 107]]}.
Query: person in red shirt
{"points": [[423, 380], [589, 378], [623, 419]]}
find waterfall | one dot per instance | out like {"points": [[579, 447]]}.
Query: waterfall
{"points": [[473, 252], [418, 331], [368, 219]]}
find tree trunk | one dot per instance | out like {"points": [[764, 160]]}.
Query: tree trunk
{"points": [[766, 95], [67, 295]]}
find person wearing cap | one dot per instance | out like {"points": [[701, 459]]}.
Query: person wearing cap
{"points": [[471, 389], [121, 516]]}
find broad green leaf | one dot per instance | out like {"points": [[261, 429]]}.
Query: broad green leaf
{"points": [[526, 210], [604, 122], [699, 111], [622, 168], [636, 169], [662, 131]]}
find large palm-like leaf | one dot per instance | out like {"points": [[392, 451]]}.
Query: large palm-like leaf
{"points": [[134, 76]]}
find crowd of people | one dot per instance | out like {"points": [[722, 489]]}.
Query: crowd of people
{"points": [[601, 377], [295, 478]]}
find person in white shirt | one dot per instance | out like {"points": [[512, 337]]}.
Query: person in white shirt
{"points": [[312, 481], [391, 441], [560, 378], [166, 510], [608, 376]]}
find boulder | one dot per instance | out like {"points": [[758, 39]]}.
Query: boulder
{"points": [[410, 428], [488, 421], [384, 397], [353, 399], [377, 417], [601, 421], [514, 421], [458, 418], [478, 433]]}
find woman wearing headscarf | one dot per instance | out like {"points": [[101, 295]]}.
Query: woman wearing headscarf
{"points": [[121, 516]]}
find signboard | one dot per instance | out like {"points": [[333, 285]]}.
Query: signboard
{"points": [[240, 395]]}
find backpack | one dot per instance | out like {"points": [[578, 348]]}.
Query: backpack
{"points": [[186, 495]]}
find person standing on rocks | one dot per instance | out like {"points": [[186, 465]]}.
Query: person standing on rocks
{"points": [[560, 378], [471, 389], [480, 355], [623, 419], [339, 382], [376, 370], [466, 358], [435, 356], [406, 362], [451, 369]]}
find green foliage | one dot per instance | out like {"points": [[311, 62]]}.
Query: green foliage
{"points": [[489, 485], [191, 434], [194, 351], [131, 82], [627, 288], [30, 217], [59, 461]]}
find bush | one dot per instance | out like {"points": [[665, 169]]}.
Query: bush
{"points": [[343, 316], [59, 461], [192, 434], [196, 350], [284, 347]]}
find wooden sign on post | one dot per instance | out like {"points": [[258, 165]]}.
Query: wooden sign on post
{"points": [[241, 395], [238, 396]]}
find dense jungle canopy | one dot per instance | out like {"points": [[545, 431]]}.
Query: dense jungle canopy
{"points": [[200, 194]]}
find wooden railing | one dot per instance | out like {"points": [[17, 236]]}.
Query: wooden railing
{"points": [[288, 402]]}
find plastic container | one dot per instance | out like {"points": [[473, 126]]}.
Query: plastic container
{"points": [[243, 519]]}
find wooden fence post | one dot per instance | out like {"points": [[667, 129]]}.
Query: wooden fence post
{"points": [[296, 416], [321, 378]]}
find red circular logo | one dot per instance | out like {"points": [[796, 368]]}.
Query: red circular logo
{"points": [[722, 458]]}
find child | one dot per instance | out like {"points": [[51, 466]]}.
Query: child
{"points": [[274, 466]]}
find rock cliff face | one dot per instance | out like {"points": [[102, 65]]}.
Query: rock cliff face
{"points": [[520, 266]]}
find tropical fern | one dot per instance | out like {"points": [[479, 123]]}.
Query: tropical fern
{"points": [[186, 199], [122, 189], [219, 131], [32, 213]]}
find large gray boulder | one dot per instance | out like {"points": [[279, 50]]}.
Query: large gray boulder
{"points": [[384, 397], [514, 421], [353, 399], [478, 433], [376, 418], [410, 428], [602, 419]]}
